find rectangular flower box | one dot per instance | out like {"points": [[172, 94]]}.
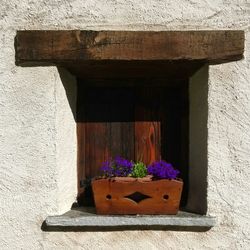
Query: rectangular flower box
{"points": [[136, 196]]}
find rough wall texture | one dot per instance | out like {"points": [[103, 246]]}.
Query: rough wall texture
{"points": [[32, 101]]}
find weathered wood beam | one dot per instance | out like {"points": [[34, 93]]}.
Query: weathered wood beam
{"points": [[80, 46]]}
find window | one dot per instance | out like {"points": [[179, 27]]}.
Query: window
{"points": [[151, 70], [140, 119]]}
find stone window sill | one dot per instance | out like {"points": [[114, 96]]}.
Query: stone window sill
{"points": [[85, 219]]}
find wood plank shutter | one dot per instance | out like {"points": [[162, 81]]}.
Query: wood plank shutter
{"points": [[137, 122]]}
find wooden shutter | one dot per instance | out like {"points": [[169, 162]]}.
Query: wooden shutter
{"points": [[137, 122]]}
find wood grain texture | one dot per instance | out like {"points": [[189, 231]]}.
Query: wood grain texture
{"points": [[105, 120], [148, 124], [75, 45], [111, 197], [147, 141], [96, 147]]}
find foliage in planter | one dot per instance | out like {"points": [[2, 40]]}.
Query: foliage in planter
{"points": [[139, 170], [121, 167], [117, 167], [162, 170]]}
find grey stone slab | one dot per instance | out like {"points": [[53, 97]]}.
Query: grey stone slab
{"points": [[84, 219]]}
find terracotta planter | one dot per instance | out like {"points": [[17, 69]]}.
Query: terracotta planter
{"points": [[120, 196]]}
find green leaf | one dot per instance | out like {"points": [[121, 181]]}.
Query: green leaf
{"points": [[139, 170]]}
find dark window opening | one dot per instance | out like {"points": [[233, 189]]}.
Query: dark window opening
{"points": [[138, 119]]}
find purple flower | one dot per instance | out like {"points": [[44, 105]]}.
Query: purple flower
{"points": [[106, 168], [117, 167], [162, 170]]}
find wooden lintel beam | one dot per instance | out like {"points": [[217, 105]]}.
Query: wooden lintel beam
{"points": [[80, 46]]}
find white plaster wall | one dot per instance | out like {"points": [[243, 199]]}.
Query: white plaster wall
{"points": [[66, 142], [34, 109]]}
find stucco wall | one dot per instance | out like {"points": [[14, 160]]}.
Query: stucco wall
{"points": [[36, 154]]}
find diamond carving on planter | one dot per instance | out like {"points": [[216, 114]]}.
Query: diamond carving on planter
{"points": [[137, 197]]}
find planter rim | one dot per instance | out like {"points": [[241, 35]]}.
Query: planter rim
{"points": [[133, 179]]}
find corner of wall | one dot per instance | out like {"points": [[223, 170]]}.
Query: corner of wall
{"points": [[66, 140], [198, 115]]}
